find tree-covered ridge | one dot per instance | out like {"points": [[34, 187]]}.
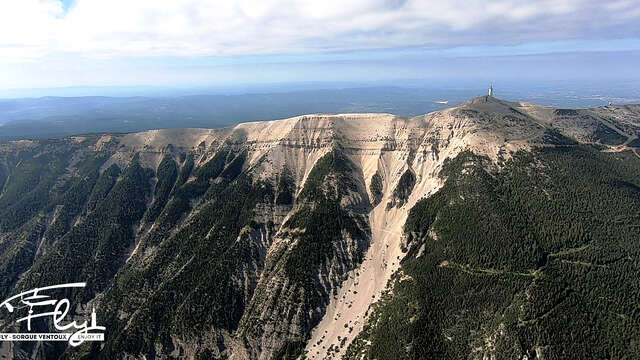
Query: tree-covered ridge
{"points": [[183, 279], [40, 200], [28, 188], [95, 249], [322, 218], [402, 190], [538, 258], [166, 175], [3, 176], [376, 187], [202, 261]]}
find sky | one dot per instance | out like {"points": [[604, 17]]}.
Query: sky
{"points": [[64, 43]]}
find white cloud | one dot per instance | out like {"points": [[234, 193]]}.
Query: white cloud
{"points": [[32, 29]]}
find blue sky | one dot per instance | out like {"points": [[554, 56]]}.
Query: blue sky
{"points": [[54, 43]]}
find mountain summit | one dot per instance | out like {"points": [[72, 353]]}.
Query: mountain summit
{"points": [[454, 234]]}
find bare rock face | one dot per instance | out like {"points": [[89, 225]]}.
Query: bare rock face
{"points": [[267, 239]]}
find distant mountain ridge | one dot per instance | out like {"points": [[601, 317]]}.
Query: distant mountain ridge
{"points": [[489, 229], [63, 116]]}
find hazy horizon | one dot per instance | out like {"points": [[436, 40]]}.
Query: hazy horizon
{"points": [[622, 90]]}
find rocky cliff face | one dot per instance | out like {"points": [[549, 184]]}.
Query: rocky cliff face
{"points": [[266, 240]]}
